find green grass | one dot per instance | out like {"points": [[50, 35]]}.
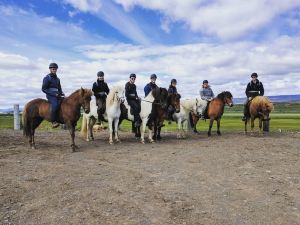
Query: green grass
{"points": [[231, 121]]}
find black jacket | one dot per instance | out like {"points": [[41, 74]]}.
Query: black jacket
{"points": [[254, 89], [130, 91], [172, 90], [51, 85], [99, 88]]}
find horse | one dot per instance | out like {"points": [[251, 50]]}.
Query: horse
{"points": [[155, 96], [38, 110], [112, 114], [259, 107], [160, 113], [216, 109], [196, 106]]}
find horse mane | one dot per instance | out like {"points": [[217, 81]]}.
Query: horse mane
{"points": [[111, 95], [263, 101], [188, 103], [224, 94], [76, 93]]}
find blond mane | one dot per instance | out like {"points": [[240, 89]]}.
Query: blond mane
{"points": [[263, 102], [111, 95]]}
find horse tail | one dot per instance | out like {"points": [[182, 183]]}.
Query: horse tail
{"points": [[191, 120], [84, 125], [26, 122]]}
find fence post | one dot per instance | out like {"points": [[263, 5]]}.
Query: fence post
{"points": [[16, 117]]}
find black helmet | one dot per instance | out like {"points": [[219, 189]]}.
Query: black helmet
{"points": [[205, 82], [153, 76], [100, 74], [174, 81], [254, 75], [132, 75], [53, 65]]}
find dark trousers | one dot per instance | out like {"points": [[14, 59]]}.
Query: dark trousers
{"points": [[246, 108], [171, 111], [101, 104], [54, 107], [136, 108]]}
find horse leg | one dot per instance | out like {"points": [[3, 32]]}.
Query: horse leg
{"points": [[260, 126], [116, 122], [158, 137], [150, 134], [91, 124], [155, 129], [218, 126], [72, 133], [110, 124], [252, 124], [35, 124], [144, 122], [179, 128], [211, 121], [246, 121]]}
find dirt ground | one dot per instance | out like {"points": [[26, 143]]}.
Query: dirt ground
{"points": [[233, 179]]}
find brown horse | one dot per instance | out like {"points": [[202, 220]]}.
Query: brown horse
{"points": [[260, 107], [214, 112], [160, 113], [38, 110]]}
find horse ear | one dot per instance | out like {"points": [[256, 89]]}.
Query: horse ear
{"points": [[81, 91]]}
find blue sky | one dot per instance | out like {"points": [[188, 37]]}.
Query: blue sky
{"points": [[223, 41]]}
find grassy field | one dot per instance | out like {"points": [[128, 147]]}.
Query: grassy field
{"points": [[286, 117]]}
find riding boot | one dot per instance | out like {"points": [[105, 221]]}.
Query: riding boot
{"points": [[101, 118], [244, 118], [137, 120]]}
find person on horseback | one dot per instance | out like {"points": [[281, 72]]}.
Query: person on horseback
{"points": [[133, 99], [207, 94], [101, 91], [172, 90], [254, 88], [150, 86], [52, 88]]}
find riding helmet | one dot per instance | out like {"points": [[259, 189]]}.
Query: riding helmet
{"points": [[174, 81], [53, 65], [254, 75], [100, 74], [132, 75], [153, 76], [205, 82]]}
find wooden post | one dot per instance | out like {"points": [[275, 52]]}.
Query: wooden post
{"points": [[16, 117]]}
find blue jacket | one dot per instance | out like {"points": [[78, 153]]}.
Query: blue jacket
{"points": [[149, 88], [51, 85], [206, 93]]}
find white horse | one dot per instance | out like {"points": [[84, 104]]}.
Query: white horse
{"points": [[146, 108], [195, 105], [112, 114]]}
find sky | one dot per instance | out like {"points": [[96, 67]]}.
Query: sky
{"points": [[223, 41]]}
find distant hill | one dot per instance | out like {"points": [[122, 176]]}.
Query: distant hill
{"points": [[278, 98]]}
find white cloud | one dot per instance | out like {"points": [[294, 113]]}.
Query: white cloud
{"points": [[227, 19], [114, 16], [226, 66]]}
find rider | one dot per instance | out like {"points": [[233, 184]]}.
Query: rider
{"points": [[207, 94], [254, 88], [150, 85], [52, 88], [172, 90], [133, 99], [101, 91]]}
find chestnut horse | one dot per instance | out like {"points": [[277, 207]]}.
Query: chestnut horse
{"points": [[38, 110], [260, 107], [214, 112], [160, 113]]}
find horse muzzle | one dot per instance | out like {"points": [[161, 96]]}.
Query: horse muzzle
{"points": [[86, 110], [230, 104]]}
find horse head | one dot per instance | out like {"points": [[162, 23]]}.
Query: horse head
{"points": [[226, 97], [85, 98], [161, 96], [265, 108], [174, 100], [200, 106], [116, 94]]}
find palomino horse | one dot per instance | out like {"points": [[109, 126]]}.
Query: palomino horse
{"points": [[216, 109], [156, 95], [38, 110], [196, 106], [159, 114], [112, 114], [260, 107]]}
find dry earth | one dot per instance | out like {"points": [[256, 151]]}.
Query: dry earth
{"points": [[232, 179]]}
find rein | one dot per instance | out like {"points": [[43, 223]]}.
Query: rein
{"points": [[156, 103]]}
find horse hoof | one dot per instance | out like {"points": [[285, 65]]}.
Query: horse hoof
{"points": [[118, 141], [151, 141], [209, 134], [159, 138], [33, 147], [219, 133], [143, 142]]}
